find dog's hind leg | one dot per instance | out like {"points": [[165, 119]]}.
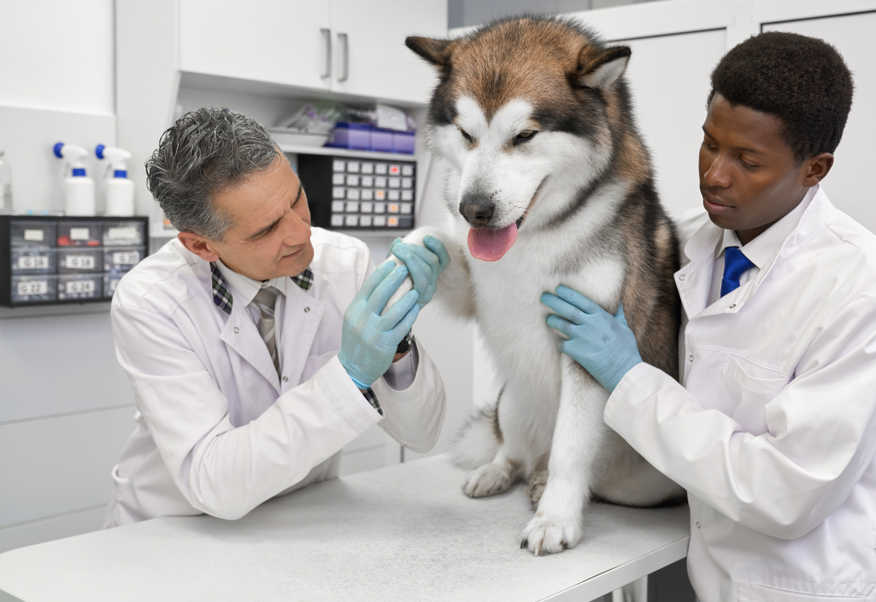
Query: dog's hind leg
{"points": [[516, 453], [538, 481], [577, 436], [493, 477]]}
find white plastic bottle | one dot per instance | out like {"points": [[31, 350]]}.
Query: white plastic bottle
{"points": [[5, 184], [78, 187], [118, 188]]}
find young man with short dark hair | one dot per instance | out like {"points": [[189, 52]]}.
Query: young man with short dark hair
{"points": [[772, 428]]}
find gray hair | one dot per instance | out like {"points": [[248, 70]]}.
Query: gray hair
{"points": [[203, 152]]}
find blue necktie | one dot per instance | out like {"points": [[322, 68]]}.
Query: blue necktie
{"points": [[735, 264]]}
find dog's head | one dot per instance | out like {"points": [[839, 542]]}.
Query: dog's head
{"points": [[529, 111]]}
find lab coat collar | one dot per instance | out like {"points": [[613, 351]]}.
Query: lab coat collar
{"points": [[765, 247], [228, 285], [241, 333], [694, 279]]}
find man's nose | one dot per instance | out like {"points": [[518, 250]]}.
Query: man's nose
{"points": [[717, 174], [295, 229]]}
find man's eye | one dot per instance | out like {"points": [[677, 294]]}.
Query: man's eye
{"points": [[524, 136]]}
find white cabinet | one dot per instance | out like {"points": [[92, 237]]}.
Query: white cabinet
{"points": [[345, 46], [264, 40], [375, 60]]}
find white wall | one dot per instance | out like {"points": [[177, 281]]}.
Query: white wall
{"points": [[65, 406]]}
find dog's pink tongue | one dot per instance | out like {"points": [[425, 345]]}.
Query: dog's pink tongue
{"points": [[489, 244]]}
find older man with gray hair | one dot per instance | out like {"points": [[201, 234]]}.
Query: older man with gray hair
{"points": [[258, 346]]}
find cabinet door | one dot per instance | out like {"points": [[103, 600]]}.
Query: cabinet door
{"points": [[852, 36], [374, 57], [264, 40], [670, 107]]}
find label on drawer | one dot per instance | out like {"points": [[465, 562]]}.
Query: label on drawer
{"points": [[33, 235], [126, 257], [122, 233], [33, 262], [79, 262], [79, 234], [80, 287], [33, 287]]}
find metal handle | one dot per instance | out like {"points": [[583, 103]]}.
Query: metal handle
{"points": [[327, 40], [345, 56]]}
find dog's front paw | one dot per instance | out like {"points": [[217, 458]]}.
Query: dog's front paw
{"points": [[488, 479], [549, 535]]}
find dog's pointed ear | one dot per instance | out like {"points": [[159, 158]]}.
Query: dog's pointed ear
{"points": [[602, 69], [433, 50]]}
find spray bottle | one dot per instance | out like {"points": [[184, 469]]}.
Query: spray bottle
{"points": [[78, 187], [119, 189]]}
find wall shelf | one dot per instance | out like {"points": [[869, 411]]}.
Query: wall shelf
{"points": [[343, 152]]}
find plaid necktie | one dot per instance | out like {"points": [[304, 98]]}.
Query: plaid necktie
{"points": [[264, 301], [735, 264]]}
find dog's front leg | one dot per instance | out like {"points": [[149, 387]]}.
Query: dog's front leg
{"points": [[577, 435], [454, 291]]}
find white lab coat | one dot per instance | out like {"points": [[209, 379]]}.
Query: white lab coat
{"points": [[774, 433], [217, 430]]}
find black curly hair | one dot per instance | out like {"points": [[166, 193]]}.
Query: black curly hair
{"points": [[801, 80]]}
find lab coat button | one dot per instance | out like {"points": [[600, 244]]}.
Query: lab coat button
{"points": [[236, 330], [690, 357], [681, 277], [307, 309], [285, 379], [732, 306], [699, 525]]}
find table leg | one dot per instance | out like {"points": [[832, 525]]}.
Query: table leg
{"points": [[637, 591]]}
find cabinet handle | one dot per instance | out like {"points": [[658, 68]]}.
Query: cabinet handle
{"points": [[345, 57], [327, 40]]}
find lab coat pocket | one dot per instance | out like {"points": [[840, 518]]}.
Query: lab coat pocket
{"points": [[120, 500], [753, 387]]}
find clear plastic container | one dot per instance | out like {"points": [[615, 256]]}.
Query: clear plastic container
{"points": [[110, 282], [80, 286], [32, 260], [79, 233], [80, 260], [34, 289], [122, 259], [32, 233], [124, 234]]}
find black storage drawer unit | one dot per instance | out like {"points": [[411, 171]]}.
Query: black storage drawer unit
{"points": [[47, 260]]}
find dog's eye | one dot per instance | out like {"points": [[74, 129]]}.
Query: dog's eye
{"points": [[524, 136], [465, 135]]}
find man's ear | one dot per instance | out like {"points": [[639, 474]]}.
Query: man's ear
{"points": [[816, 168], [199, 245]]}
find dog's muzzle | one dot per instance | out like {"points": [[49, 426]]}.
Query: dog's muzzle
{"points": [[477, 209]]}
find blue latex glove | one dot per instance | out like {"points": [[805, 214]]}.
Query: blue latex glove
{"points": [[424, 264], [370, 335], [602, 343]]}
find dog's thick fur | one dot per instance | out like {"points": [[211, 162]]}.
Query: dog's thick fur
{"points": [[582, 191]]}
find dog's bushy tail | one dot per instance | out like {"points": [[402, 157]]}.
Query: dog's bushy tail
{"points": [[478, 440]]}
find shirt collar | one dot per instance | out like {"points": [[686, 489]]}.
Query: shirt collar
{"points": [[766, 245], [229, 285]]}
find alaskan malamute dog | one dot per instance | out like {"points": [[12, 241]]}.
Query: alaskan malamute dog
{"points": [[554, 187]]}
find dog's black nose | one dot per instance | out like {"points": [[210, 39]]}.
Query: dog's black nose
{"points": [[477, 209]]}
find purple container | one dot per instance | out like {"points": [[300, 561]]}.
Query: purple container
{"points": [[351, 135], [403, 142], [381, 140]]}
